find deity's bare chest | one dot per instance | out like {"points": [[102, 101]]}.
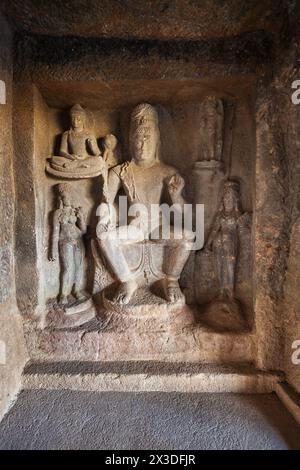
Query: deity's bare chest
{"points": [[77, 143], [149, 185]]}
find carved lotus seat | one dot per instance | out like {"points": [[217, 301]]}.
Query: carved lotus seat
{"points": [[88, 168]]}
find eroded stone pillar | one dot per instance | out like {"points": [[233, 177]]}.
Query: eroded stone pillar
{"points": [[270, 229], [207, 180], [26, 197]]}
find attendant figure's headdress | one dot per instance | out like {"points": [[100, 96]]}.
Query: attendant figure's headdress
{"points": [[234, 188], [64, 189]]}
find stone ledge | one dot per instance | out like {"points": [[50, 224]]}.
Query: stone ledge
{"points": [[143, 377], [189, 345]]}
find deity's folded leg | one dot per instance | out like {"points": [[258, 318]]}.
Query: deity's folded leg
{"points": [[111, 243], [59, 161], [178, 251], [93, 161]]}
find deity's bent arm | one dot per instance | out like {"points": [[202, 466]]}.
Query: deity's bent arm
{"points": [[175, 186], [179, 199], [111, 186], [114, 184]]}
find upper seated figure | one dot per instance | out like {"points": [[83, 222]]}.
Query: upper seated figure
{"points": [[80, 156]]}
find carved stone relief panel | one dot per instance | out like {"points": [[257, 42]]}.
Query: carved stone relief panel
{"points": [[129, 258]]}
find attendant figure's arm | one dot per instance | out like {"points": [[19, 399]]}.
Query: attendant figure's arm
{"points": [[81, 222], [55, 236], [64, 150], [215, 229], [244, 221]]}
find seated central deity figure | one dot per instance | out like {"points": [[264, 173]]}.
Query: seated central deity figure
{"points": [[79, 152], [146, 181]]}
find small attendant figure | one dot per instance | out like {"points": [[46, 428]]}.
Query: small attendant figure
{"points": [[224, 238], [224, 241], [68, 228]]}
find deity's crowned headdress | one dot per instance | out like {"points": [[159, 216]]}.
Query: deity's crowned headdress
{"points": [[77, 109], [144, 113]]}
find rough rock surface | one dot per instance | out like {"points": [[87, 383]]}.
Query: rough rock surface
{"points": [[164, 20], [81, 420]]}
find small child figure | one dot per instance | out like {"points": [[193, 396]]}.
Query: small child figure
{"points": [[110, 144]]}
